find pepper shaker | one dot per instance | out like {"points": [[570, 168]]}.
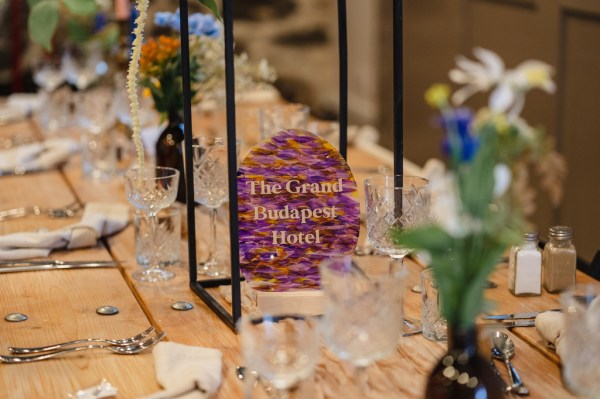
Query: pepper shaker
{"points": [[559, 260]]}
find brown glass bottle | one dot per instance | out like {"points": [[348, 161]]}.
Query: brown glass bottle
{"points": [[169, 150], [462, 373]]}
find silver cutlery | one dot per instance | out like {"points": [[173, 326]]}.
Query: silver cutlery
{"points": [[184, 392], [117, 342], [412, 332], [14, 141], [61, 212], [242, 372], [504, 349], [505, 386], [25, 266], [121, 350], [510, 323], [518, 316]]}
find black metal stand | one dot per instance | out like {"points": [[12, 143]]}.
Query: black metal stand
{"points": [[199, 287]]}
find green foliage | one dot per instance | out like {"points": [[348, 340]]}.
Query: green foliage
{"points": [[168, 94], [476, 179], [42, 21], [212, 5], [462, 264], [81, 7], [44, 16]]}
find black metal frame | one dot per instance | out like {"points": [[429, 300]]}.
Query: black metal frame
{"points": [[199, 287]]}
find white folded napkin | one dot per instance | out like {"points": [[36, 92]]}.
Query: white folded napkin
{"points": [[182, 368], [37, 156], [99, 219], [26, 102], [551, 326]]}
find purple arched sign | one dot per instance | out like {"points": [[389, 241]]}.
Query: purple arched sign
{"points": [[298, 205]]}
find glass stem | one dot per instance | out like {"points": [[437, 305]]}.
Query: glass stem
{"points": [[282, 393], [213, 235], [153, 259], [397, 265], [409, 326], [360, 376]]}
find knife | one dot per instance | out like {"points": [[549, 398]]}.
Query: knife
{"points": [[511, 323], [26, 266], [517, 316]]}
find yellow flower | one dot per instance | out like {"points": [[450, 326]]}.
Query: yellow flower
{"points": [[496, 119], [437, 95], [537, 77]]}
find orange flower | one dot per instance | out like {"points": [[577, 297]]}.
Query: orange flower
{"points": [[156, 53]]}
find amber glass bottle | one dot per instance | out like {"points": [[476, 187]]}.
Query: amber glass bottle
{"points": [[169, 147]]}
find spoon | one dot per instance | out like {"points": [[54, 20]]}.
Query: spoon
{"points": [[241, 372], [504, 349]]}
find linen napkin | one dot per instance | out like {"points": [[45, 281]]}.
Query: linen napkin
{"points": [[37, 156], [28, 103], [99, 219], [186, 372], [551, 326]]}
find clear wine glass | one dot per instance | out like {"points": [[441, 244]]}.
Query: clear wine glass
{"points": [[362, 312], [282, 349], [151, 189], [395, 203], [48, 73], [84, 64], [211, 190]]}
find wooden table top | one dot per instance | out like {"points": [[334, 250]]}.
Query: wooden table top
{"points": [[61, 306]]}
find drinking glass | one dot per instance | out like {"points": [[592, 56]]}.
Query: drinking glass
{"points": [[282, 349], [579, 348], [96, 116], [84, 64], [168, 231], [435, 327], [55, 115], [274, 118], [151, 189], [211, 189], [394, 203], [48, 73], [362, 312]]}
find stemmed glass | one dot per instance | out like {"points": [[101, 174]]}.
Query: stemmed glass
{"points": [[395, 203], [151, 189], [362, 312], [211, 190], [84, 64], [282, 349], [48, 73]]}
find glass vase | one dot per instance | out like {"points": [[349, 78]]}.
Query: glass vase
{"points": [[462, 373], [169, 151]]}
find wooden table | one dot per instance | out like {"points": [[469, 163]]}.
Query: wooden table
{"points": [[61, 306]]}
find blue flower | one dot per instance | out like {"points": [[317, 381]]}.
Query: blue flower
{"points": [[459, 122], [204, 25], [100, 21], [198, 24], [164, 19]]}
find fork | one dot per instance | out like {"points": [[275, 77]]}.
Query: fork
{"points": [[117, 342], [60, 212], [131, 349]]}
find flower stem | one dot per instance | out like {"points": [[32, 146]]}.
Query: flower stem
{"points": [[132, 72]]}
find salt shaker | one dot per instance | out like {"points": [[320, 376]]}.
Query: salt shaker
{"points": [[559, 260], [525, 267]]}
